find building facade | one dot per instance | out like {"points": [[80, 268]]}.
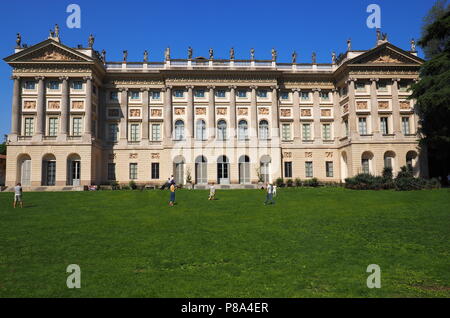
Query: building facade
{"points": [[79, 120]]}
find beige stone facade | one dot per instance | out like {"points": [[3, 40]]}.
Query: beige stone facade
{"points": [[79, 120]]}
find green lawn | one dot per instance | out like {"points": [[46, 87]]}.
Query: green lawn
{"points": [[311, 243]]}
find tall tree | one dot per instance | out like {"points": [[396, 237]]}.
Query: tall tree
{"points": [[434, 46], [432, 95]]}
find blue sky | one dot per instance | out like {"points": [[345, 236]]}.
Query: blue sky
{"points": [[304, 26]]}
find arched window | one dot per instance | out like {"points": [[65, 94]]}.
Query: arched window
{"points": [[264, 167], [24, 169], [389, 157], [201, 129], [222, 130], [366, 162], [411, 161], [49, 170], [179, 130], [244, 169], [242, 130], [74, 170], [263, 130], [201, 172], [223, 168]]}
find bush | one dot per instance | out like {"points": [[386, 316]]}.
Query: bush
{"points": [[132, 185], [387, 173], [405, 172], [409, 183], [125, 187], [289, 182], [433, 183], [298, 182], [279, 182], [364, 181], [114, 185], [312, 182]]}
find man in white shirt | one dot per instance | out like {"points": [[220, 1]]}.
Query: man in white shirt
{"points": [[18, 195], [269, 196]]}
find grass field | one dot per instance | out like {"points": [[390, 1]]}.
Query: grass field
{"points": [[311, 243]]}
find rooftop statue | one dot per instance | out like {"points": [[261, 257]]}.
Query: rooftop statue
{"points": [[333, 57], [314, 58], [413, 45], [252, 53], [190, 52], [274, 54], [18, 40], [56, 33], [294, 57], [125, 55], [103, 56], [145, 56], [91, 41], [232, 54], [211, 53], [167, 54], [349, 44]]}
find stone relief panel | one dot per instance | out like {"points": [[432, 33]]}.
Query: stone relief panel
{"points": [[287, 155], [362, 105], [405, 105], [179, 111], [135, 113], [242, 111], [200, 111], [305, 112], [345, 108], [286, 112], [329, 154], [221, 111], [133, 155], [78, 105], [29, 105], [383, 105], [308, 154], [325, 112], [156, 112], [263, 111], [53, 105], [113, 112], [155, 155]]}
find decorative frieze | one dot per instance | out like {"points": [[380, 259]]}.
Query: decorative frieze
{"points": [[29, 105], [242, 111], [133, 155], [308, 154], [54, 105], [287, 155], [328, 154], [305, 112], [405, 105], [156, 112], [179, 111], [285, 112], [221, 111], [135, 113], [155, 155], [362, 105], [325, 112], [263, 111], [383, 105], [113, 112], [200, 111], [78, 105]]}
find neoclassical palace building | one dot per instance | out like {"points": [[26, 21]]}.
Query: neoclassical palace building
{"points": [[78, 119]]}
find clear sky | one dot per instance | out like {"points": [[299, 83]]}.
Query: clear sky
{"points": [[137, 25]]}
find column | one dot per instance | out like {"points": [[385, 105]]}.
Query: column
{"points": [[316, 115], [337, 115], [40, 118], [101, 113], [64, 130], [211, 114], [374, 107], [233, 132], [353, 132], [190, 112], [16, 109], [145, 105], [168, 114], [395, 107], [275, 119], [253, 115], [123, 129], [296, 112], [88, 106]]}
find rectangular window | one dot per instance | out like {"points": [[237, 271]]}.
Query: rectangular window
{"points": [[262, 93], [156, 95], [179, 93], [384, 125], [242, 94], [133, 171], [284, 95], [113, 132], [156, 132], [134, 132], [53, 126], [111, 171], [76, 126], [288, 169], [135, 95], [360, 86], [308, 169], [54, 85], [405, 126], [30, 85], [155, 170], [382, 87], [113, 96], [304, 96], [199, 93], [326, 131], [286, 132], [362, 125], [329, 168], [306, 130], [78, 85], [324, 96], [220, 93], [29, 126]]}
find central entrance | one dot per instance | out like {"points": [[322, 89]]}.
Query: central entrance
{"points": [[223, 170]]}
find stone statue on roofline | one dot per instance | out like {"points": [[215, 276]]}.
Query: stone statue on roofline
{"points": [[211, 53], [274, 55], [413, 45], [314, 58], [145, 56], [232, 54], [167, 54], [18, 40], [190, 52], [294, 57], [91, 41], [349, 44], [125, 55], [103, 56], [252, 54], [333, 57], [56, 33]]}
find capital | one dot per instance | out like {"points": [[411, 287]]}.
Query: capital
{"points": [[87, 78], [144, 89], [39, 78], [374, 79], [210, 87], [189, 87], [296, 90], [253, 87], [316, 89], [123, 89], [232, 87], [274, 87], [396, 79], [167, 87], [64, 78], [15, 77]]}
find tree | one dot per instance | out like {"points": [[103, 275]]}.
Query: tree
{"points": [[432, 94], [3, 146], [434, 46]]}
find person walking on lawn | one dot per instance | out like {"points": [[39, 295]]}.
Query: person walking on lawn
{"points": [[269, 195], [18, 195], [172, 194]]}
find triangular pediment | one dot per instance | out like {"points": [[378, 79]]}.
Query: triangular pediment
{"points": [[386, 54], [48, 51]]}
